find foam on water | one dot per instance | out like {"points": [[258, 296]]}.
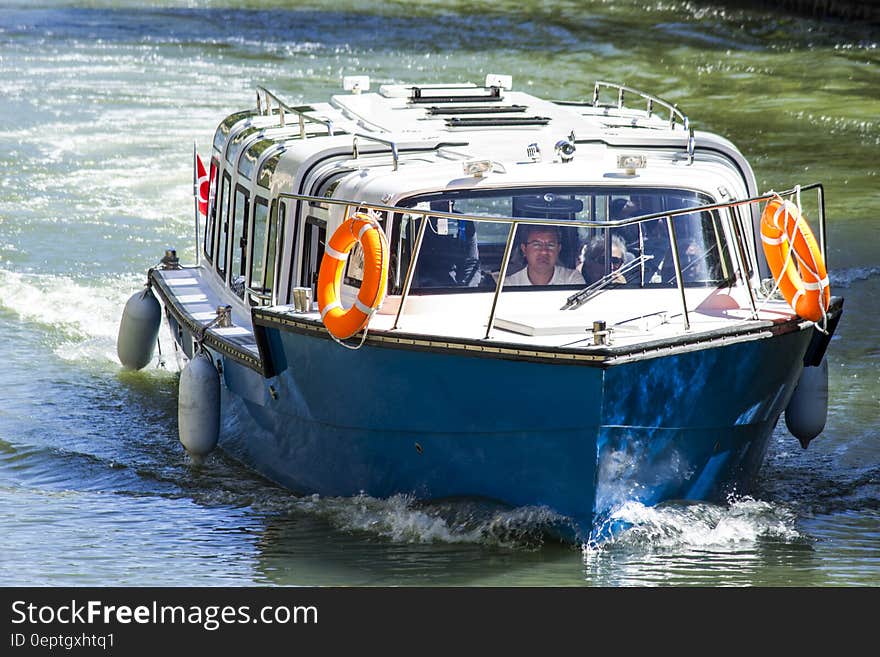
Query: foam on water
{"points": [[401, 518], [846, 277], [82, 320], [743, 521]]}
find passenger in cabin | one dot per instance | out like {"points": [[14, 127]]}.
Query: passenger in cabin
{"points": [[694, 267], [693, 258], [540, 246], [450, 254], [623, 208], [593, 259]]}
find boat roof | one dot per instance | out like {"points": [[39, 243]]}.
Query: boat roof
{"points": [[402, 141], [507, 125], [402, 124], [506, 121]]}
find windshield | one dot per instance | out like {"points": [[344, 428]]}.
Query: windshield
{"points": [[459, 254]]}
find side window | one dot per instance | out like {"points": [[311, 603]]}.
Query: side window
{"points": [[402, 239], [224, 225], [211, 218], [314, 240], [258, 249], [275, 243], [455, 253], [702, 248], [354, 268], [238, 237]]}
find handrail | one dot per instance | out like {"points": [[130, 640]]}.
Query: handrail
{"points": [[395, 155], [674, 112], [265, 98], [668, 215]]}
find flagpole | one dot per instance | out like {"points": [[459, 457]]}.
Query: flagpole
{"points": [[196, 198]]}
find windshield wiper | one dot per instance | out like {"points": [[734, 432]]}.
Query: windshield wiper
{"points": [[578, 299]]}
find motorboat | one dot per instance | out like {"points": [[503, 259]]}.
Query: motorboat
{"points": [[467, 291]]}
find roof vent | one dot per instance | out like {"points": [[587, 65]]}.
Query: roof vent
{"points": [[421, 95], [495, 121], [476, 109]]}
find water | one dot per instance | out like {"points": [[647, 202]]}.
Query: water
{"points": [[99, 108]]}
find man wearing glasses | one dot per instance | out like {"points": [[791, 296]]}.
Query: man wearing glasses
{"points": [[540, 248]]}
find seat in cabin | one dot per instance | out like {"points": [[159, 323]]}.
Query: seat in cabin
{"points": [[450, 254]]}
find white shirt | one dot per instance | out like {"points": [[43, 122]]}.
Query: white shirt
{"points": [[561, 276]]}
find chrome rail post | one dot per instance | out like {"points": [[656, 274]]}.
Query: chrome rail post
{"points": [[395, 155], [410, 270], [820, 192], [673, 244], [508, 247], [196, 200], [743, 263]]}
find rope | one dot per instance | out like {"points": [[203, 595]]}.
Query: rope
{"points": [[369, 216], [802, 263], [200, 335], [792, 254]]}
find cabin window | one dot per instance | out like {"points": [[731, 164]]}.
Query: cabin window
{"points": [[211, 217], [267, 169], [459, 254], [248, 161], [223, 130], [353, 274], [258, 249], [455, 253], [354, 267], [314, 239], [224, 224], [238, 238], [235, 144], [275, 244], [700, 240]]}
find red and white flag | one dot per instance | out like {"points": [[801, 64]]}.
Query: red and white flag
{"points": [[202, 185]]}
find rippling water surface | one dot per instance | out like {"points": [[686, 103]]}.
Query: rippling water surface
{"points": [[100, 103]]}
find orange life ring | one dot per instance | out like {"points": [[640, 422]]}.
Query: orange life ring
{"points": [[364, 230], [795, 259]]}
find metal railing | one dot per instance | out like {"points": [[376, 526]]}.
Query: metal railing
{"points": [[395, 156], [269, 103], [265, 101], [676, 116], [674, 112], [354, 206]]}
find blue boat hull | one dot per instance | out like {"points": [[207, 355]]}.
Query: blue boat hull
{"points": [[577, 438]]}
